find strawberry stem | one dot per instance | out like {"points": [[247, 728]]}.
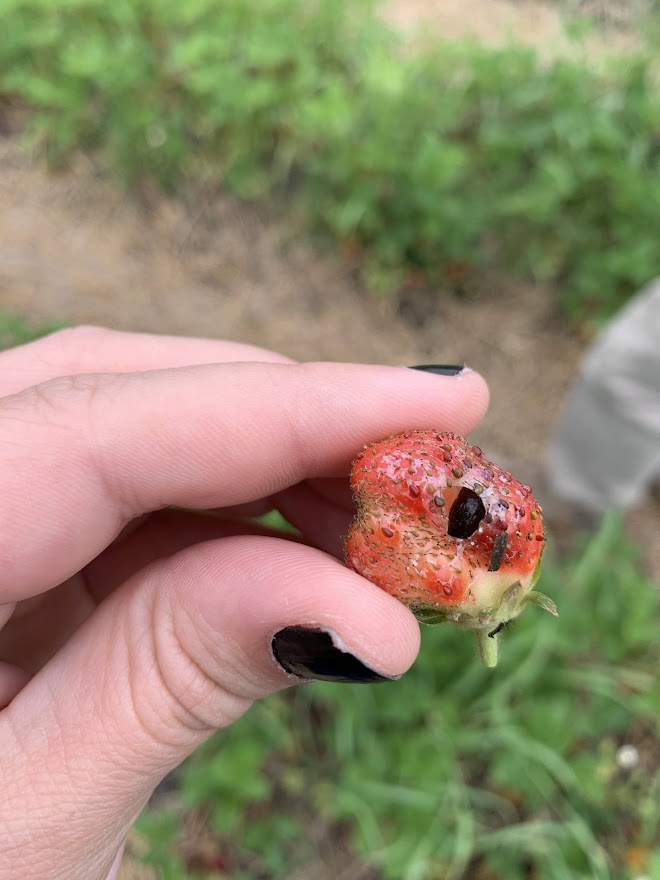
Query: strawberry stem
{"points": [[487, 646]]}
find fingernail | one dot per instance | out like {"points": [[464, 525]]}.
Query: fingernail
{"points": [[312, 654], [440, 369]]}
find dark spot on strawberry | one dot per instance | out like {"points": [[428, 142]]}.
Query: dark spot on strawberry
{"points": [[539, 537], [447, 590], [457, 472], [478, 451], [387, 531], [504, 503], [439, 501], [499, 549], [446, 456], [465, 514]]}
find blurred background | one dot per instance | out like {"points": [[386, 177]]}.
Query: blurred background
{"points": [[407, 182]]}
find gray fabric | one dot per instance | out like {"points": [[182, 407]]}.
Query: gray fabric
{"points": [[606, 449]]}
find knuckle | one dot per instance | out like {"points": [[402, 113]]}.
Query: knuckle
{"points": [[185, 696], [60, 415], [54, 398], [66, 349]]}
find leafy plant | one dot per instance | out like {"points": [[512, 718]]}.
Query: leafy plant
{"points": [[159, 829], [423, 167]]}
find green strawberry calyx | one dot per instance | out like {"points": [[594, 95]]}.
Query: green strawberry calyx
{"points": [[488, 622]]}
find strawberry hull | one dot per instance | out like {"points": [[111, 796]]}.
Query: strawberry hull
{"points": [[447, 532]]}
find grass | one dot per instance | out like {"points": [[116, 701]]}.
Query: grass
{"points": [[15, 330], [424, 169], [455, 771]]}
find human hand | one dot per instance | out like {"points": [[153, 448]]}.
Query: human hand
{"points": [[130, 632]]}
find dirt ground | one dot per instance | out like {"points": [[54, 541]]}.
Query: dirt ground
{"points": [[534, 23], [73, 248]]}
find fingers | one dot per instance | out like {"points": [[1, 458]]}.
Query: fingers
{"points": [[336, 491], [12, 680], [162, 535], [99, 350], [322, 522], [41, 625], [182, 648], [98, 451]]}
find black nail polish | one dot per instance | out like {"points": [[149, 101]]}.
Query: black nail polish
{"points": [[440, 369], [310, 653]]}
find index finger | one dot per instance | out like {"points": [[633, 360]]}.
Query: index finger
{"points": [[81, 456]]}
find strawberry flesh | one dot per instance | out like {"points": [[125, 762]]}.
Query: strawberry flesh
{"points": [[446, 531]]}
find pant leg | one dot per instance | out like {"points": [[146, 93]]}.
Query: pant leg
{"points": [[606, 448]]}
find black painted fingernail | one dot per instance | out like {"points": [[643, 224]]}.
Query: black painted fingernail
{"points": [[311, 653], [440, 369]]}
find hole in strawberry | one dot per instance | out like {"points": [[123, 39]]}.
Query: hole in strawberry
{"points": [[465, 514]]}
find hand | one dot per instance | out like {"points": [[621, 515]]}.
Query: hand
{"points": [[129, 631]]}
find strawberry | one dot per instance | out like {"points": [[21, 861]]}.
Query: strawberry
{"points": [[447, 532]]}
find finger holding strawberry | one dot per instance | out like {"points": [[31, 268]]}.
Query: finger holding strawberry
{"points": [[141, 605]]}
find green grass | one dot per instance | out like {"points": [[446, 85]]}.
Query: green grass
{"points": [[15, 330], [425, 169], [456, 771]]}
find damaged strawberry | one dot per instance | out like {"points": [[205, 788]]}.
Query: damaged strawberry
{"points": [[447, 532]]}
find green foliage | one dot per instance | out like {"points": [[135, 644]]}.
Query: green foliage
{"points": [[275, 520], [165, 88], [423, 166], [15, 330], [159, 828], [461, 772]]}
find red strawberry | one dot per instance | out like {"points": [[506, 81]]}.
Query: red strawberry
{"points": [[447, 532]]}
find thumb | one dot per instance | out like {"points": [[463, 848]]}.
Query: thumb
{"points": [[182, 648]]}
